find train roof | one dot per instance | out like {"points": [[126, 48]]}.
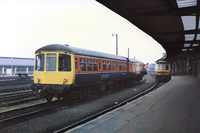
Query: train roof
{"points": [[79, 51], [162, 62], [134, 60]]}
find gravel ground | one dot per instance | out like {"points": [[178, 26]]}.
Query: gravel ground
{"points": [[57, 119]]}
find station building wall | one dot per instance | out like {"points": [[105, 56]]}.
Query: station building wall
{"points": [[14, 65]]}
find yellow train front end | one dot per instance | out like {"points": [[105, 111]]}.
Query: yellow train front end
{"points": [[54, 73], [162, 71]]}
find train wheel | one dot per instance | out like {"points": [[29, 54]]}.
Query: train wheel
{"points": [[48, 97], [59, 97]]}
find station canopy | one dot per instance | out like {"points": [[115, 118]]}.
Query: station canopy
{"points": [[172, 23]]}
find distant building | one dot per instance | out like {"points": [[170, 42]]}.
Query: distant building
{"points": [[14, 65]]}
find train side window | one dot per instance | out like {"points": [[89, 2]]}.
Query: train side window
{"points": [[109, 65], [104, 65], [76, 63], [89, 64], [123, 66], [95, 67], [51, 62], [120, 66], [113, 65], [39, 64], [134, 67], [130, 68], [64, 62], [99, 64], [117, 66], [82, 64]]}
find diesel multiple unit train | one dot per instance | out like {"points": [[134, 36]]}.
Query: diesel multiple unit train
{"points": [[162, 71], [63, 71]]}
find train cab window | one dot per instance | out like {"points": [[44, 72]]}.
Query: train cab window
{"points": [[89, 64], [109, 65], [51, 62], [95, 68], [39, 64], [113, 65], [158, 67], [104, 65], [64, 62], [167, 67], [120, 66], [82, 64]]}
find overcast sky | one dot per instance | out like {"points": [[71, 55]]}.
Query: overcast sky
{"points": [[26, 25]]}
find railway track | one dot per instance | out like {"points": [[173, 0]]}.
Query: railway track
{"points": [[19, 113], [12, 82], [15, 90], [21, 79], [93, 116], [29, 111], [16, 97], [57, 107]]}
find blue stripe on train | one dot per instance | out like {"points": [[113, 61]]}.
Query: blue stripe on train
{"points": [[85, 78]]}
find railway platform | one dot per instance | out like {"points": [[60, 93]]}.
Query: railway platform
{"points": [[172, 108]]}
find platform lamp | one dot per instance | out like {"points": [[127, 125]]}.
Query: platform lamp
{"points": [[114, 34]]}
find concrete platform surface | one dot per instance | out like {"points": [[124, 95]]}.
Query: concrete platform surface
{"points": [[172, 108]]}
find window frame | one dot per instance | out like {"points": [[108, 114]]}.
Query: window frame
{"points": [[89, 63], [65, 67], [83, 63], [44, 62]]}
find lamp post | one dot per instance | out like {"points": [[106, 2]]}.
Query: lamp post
{"points": [[128, 52], [116, 42]]}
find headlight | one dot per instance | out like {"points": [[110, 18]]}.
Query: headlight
{"points": [[65, 80], [38, 80]]}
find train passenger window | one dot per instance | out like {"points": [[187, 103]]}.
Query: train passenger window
{"points": [[76, 63], [109, 65], [120, 66], [64, 62], [39, 64], [89, 64], [117, 66], [95, 68], [99, 65], [123, 66], [82, 64], [134, 67], [104, 65], [51, 62], [113, 64]]}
